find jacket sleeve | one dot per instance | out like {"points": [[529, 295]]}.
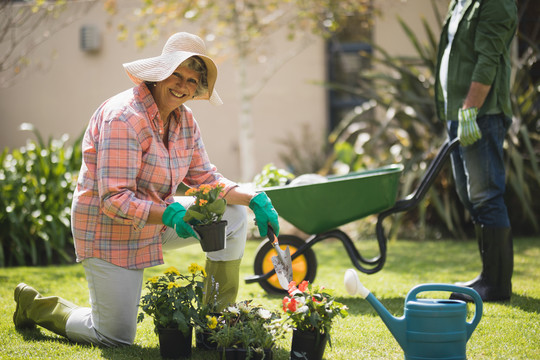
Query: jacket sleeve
{"points": [[495, 28]]}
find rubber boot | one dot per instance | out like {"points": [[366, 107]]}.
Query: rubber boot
{"points": [[32, 309], [478, 233], [497, 254], [221, 283]]}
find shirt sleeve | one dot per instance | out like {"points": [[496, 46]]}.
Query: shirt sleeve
{"points": [[118, 160], [496, 24]]}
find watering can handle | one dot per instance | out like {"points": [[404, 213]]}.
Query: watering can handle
{"points": [[453, 288]]}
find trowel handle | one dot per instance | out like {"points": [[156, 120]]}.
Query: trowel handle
{"points": [[453, 288], [353, 284], [272, 235]]}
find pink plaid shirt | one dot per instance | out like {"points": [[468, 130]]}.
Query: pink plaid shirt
{"points": [[126, 167]]}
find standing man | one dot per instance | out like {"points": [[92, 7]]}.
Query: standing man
{"points": [[472, 93]]}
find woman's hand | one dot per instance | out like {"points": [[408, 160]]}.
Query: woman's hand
{"points": [[264, 213], [173, 216]]}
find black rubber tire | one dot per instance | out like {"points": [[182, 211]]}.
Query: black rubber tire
{"points": [[304, 266]]}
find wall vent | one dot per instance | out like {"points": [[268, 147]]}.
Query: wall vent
{"points": [[90, 40]]}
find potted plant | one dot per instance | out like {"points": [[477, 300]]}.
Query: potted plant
{"points": [[311, 310], [205, 215], [174, 301], [245, 331]]}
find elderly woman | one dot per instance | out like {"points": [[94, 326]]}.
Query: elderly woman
{"points": [[139, 147]]}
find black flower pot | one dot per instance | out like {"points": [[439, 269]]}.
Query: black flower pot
{"points": [[212, 235], [203, 342], [173, 344], [243, 354], [308, 345]]}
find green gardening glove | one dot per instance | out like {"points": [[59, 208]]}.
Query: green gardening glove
{"points": [[174, 217], [468, 130], [264, 213]]}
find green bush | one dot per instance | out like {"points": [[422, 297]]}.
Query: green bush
{"points": [[36, 187]]}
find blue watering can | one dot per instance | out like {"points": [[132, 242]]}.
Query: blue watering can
{"points": [[429, 328]]}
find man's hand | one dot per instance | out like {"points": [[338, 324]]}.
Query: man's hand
{"points": [[468, 130]]}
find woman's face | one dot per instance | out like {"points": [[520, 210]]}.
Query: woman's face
{"points": [[175, 90]]}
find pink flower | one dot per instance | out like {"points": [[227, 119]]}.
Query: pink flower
{"points": [[292, 305]]}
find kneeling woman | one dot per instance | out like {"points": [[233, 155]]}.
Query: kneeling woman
{"points": [[140, 145]]}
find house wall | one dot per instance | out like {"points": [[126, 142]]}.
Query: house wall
{"points": [[61, 96]]}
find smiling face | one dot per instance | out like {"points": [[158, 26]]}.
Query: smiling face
{"points": [[175, 90]]}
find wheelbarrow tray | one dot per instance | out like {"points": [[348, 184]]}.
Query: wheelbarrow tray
{"points": [[320, 207]]}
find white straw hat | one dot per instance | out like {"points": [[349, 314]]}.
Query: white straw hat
{"points": [[178, 48]]}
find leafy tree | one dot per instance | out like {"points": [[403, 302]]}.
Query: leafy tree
{"points": [[243, 29]]}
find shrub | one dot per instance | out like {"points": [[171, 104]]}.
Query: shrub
{"points": [[36, 186]]}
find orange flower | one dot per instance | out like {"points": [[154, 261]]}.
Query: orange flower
{"points": [[303, 286], [285, 302], [292, 305], [202, 202]]}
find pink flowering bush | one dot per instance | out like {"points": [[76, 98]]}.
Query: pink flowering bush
{"points": [[312, 308]]}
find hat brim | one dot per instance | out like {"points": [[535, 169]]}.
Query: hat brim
{"points": [[161, 67]]}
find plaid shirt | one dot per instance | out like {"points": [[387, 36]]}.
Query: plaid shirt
{"points": [[126, 168]]}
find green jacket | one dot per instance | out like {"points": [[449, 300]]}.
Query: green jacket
{"points": [[480, 52]]}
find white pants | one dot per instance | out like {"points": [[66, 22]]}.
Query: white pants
{"points": [[115, 292]]}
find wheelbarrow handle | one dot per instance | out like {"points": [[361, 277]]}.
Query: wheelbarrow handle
{"points": [[414, 198]]}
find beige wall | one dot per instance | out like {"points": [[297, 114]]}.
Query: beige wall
{"points": [[61, 97]]}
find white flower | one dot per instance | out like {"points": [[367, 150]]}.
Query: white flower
{"points": [[264, 314]]}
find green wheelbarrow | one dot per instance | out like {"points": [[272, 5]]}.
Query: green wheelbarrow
{"points": [[319, 209]]}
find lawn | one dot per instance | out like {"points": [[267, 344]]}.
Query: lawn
{"points": [[506, 331]]}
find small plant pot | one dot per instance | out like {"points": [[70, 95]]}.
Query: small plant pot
{"points": [[173, 344], [203, 342], [308, 345], [244, 354], [212, 235]]}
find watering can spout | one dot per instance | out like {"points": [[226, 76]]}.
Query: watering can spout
{"points": [[397, 326]]}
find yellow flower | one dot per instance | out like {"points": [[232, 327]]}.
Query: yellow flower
{"points": [[172, 285], [172, 270], [212, 322], [154, 279], [194, 267]]}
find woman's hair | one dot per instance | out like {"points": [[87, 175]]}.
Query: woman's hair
{"points": [[197, 64]]}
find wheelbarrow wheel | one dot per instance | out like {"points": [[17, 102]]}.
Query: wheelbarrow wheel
{"points": [[304, 266]]}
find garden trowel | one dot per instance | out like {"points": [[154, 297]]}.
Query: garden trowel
{"points": [[282, 262]]}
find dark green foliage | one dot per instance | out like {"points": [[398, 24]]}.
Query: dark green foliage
{"points": [[36, 187]]}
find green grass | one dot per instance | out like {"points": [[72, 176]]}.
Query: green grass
{"points": [[506, 331]]}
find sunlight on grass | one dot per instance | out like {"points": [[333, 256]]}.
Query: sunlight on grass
{"points": [[509, 330]]}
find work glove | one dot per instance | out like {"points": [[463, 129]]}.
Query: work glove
{"points": [[174, 217], [264, 213], [468, 130]]}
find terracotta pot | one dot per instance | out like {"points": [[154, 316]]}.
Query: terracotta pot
{"points": [[212, 235], [308, 345], [173, 344]]}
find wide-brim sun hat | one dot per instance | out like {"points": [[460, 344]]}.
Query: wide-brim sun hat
{"points": [[180, 47]]}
